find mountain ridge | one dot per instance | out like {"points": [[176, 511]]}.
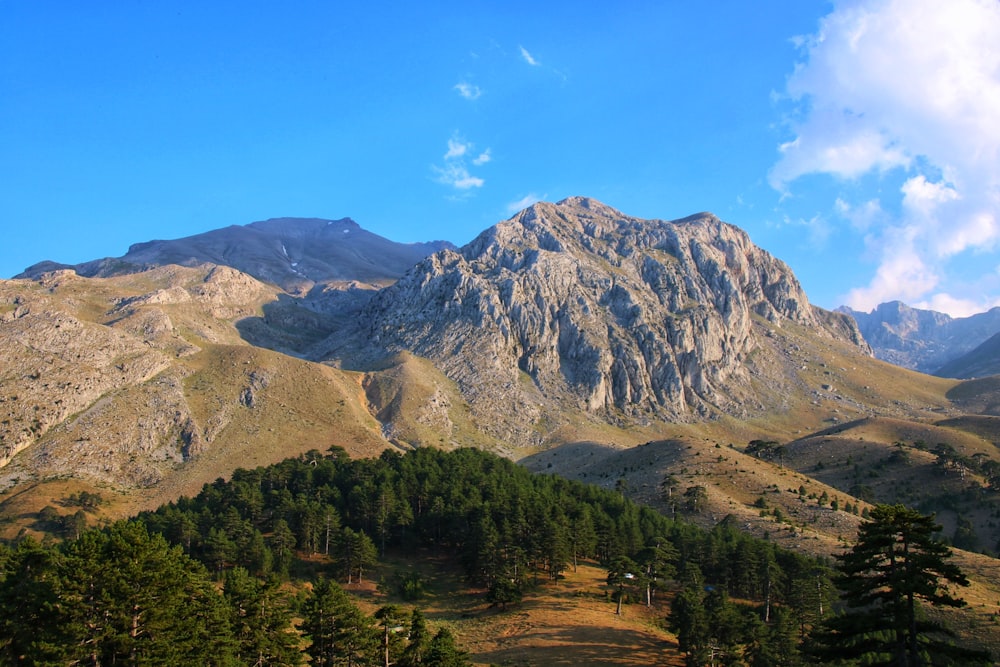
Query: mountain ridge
{"points": [[295, 254], [923, 340]]}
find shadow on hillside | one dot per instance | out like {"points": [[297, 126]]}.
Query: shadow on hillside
{"points": [[980, 396], [583, 453], [607, 466], [302, 326]]}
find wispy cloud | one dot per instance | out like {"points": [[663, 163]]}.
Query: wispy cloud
{"points": [[457, 176], [482, 158], [528, 58], [456, 148], [455, 170], [910, 87], [468, 91], [524, 202]]}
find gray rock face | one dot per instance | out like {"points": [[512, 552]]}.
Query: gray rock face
{"points": [[577, 302], [923, 340]]}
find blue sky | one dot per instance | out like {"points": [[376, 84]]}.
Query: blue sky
{"points": [[858, 141]]}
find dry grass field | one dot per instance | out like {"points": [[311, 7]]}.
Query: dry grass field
{"points": [[568, 622]]}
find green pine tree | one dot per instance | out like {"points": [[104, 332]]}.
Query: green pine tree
{"points": [[895, 565], [689, 620], [658, 562], [444, 652], [621, 573], [341, 634], [390, 619], [114, 596], [418, 641], [261, 621], [33, 621]]}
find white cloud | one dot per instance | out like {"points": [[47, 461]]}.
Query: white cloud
{"points": [[468, 90], [818, 228], [482, 158], [528, 58], [456, 148], [524, 202], [457, 176], [835, 144], [455, 170], [914, 86], [945, 303], [902, 274]]}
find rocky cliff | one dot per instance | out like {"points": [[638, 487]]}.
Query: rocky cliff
{"points": [[578, 305]]}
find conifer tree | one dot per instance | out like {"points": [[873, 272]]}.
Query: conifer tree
{"points": [[355, 554], [114, 596], [443, 652], [657, 561], [582, 538], [689, 620], [773, 644], [282, 546], [128, 588], [262, 622], [341, 634], [895, 565], [621, 573], [33, 626], [418, 641], [389, 618]]}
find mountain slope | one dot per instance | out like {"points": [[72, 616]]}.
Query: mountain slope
{"points": [[142, 385], [577, 307], [982, 361], [293, 253]]}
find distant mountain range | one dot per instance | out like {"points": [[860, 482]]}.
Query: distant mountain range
{"points": [[932, 342], [293, 253]]}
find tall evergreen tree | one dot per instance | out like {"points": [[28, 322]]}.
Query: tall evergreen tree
{"points": [[773, 644], [418, 641], [390, 619], [581, 535], [689, 620], [895, 564], [355, 554], [282, 546], [658, 567], [128, 588], [621, 573], [261, 620], [341, 634], [33, 621]]}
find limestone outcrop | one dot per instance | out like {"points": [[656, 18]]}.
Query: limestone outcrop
{"points": [[579, 304]]}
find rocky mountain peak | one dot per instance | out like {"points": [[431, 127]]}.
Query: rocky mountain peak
{"points": [[578, 303]]}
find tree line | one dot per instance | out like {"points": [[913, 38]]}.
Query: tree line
{"points": [[508, 527], [208, 570]]}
